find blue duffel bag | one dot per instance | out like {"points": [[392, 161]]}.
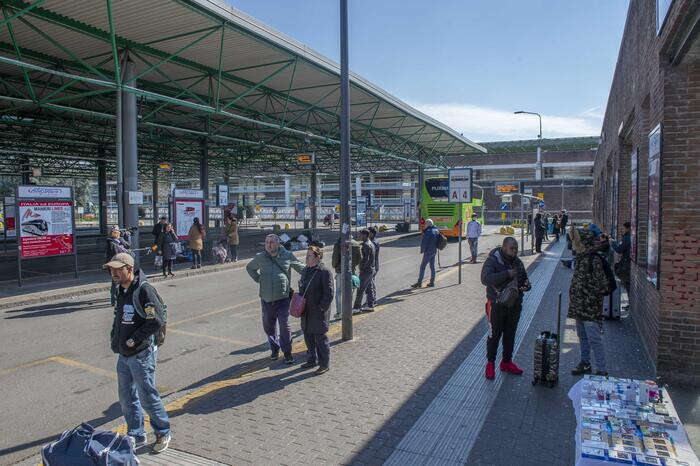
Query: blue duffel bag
{"points": [[87, 446]]}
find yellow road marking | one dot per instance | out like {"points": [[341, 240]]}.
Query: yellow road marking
{"points": [[202, 335], [66, 362], [211, 313]]}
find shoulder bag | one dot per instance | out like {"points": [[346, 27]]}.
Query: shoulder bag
{"points": [[298, 304]]}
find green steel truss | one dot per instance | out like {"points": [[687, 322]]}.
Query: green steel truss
{"points": [[57, 98]]}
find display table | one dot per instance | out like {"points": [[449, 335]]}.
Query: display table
{"points": [[624, 422]]}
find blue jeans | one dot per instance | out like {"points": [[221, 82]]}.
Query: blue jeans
{"points": [[474, 247], [427, 259], [274, 313], [136, 379], [590, 335]]}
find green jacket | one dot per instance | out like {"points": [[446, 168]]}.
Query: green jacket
{"points": [[274, 273]]}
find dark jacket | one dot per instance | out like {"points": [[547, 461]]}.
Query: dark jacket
{"points": [[494, 273], [368, 254], [157, 230], [429, 243], [540, 226], [166, 242], [317, 283], [129, 324], [564, 222], [376, 255], [624, 246], [355, 253], [114, 246]]}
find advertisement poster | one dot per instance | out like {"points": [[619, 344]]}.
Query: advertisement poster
{"points": [[185, 213], [634, 180], [46, 227], [616, 206], [654, 205]]}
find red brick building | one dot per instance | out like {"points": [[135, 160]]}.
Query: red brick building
{"points": [[647, 172]]}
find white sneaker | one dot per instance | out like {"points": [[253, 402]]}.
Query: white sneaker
{"points": [[162, 442]]}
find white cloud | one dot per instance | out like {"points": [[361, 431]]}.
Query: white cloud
{"points": [[490, 124]]}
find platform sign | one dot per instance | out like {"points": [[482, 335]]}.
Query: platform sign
{"points": [[188, 205], [45, 223], [460, 185], [508, 188], [222, 195], [9, 217], [361, 214]]}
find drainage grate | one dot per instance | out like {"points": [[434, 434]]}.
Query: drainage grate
{"points": [[447, 430]]}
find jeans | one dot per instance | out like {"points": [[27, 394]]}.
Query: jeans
{"points": [[338, 289], [232, 251], [427, 259], [590, 335], [136, 379], [504, 323], [366, 277], [318, 348], [196, 257], [474, 247], [273, 314]]}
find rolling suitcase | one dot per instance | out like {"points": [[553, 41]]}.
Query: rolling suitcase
{"points": [[611, 304], [547, 350]]}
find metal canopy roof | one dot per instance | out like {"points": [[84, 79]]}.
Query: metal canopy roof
{"points": [[204, 73], [554, 144]]}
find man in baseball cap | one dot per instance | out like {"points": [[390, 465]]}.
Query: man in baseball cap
{"points": [[138, 318]]}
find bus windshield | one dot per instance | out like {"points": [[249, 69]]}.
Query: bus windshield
{"points": [[437, 188]]}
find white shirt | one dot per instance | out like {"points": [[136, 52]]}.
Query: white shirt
{"points": [[473, 229]]}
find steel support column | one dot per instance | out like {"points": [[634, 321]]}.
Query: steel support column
{"points": [[419, 190], [287, 191], [102, 190], [346, 285], [204, 178], [314, 197], [130, 159], [154, 189]]}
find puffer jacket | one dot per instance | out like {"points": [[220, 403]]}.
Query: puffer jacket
{"points": [[495, 276], [589, 284]]}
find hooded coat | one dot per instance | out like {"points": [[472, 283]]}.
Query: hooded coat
{"points": [[589, 284]]}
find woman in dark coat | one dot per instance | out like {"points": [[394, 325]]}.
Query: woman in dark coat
{"points": [[166, 245], [316, 285]]}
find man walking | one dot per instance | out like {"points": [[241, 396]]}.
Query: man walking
{"points": [[138, 317], [375, 243], [503, 269], [473, 233], [428, 247], [356, 257], [366, 274], [272, 269]]}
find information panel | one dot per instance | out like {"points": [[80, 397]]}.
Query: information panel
{"points": [[45, 221], [460, 185], [9, 217], [189, 204]]}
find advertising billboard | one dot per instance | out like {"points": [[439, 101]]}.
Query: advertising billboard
{"points": [[44, 221], [634, 180], [654, 205]]}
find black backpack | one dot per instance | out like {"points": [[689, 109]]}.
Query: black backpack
{"points": [[442, 241], [163, 316]]}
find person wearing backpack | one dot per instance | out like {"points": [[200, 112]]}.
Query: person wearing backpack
{"points": [[429, 248], [139, 325], [114, 245], [589, 285], [506, 281], [272, 270]]}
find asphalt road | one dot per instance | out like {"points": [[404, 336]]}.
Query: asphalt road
{"points": [[56, 368]]}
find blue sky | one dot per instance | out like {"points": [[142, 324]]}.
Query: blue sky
{"points": [[471, 63]]}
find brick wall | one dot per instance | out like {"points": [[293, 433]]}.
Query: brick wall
{"points": [[647, 90]]}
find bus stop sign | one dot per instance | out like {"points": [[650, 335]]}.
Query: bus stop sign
{"points": [[460, 185]]}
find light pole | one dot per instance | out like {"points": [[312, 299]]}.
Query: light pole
{"points": [[538, 166]]}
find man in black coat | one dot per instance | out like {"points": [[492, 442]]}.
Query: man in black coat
{"points": [[502, 266]]}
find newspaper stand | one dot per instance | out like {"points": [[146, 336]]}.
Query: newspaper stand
{"points": [[45, 224]]}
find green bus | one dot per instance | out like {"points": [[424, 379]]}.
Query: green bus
{"points": [[434, 205]]}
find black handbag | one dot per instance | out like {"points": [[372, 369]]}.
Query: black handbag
{"points": [[509, 295]]}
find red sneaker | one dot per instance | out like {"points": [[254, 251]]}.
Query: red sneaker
{"points": [[490, 370], [509, 366]]}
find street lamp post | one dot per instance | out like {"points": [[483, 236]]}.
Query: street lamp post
{"points": [[538, 165]]}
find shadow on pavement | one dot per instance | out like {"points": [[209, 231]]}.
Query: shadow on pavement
{"points": [[65, 307], [261, 347], [241, 394]]}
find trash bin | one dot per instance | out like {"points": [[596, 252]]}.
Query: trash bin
{"points": [[307, 224]]}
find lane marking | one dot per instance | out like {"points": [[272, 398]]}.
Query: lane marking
{"points": [[65, 362], [211, 313], [212, 337]]}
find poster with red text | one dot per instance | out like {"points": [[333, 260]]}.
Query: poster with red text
{"points": [[46, 227]]}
